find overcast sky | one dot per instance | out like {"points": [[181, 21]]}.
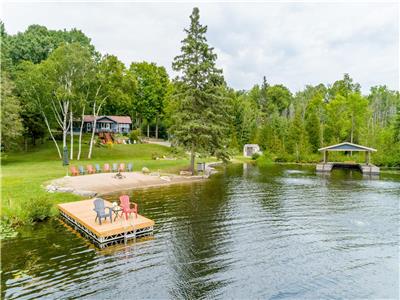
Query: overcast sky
{"points": [[290, 43]]}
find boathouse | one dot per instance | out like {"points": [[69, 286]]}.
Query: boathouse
{"points": [[365, 168]]}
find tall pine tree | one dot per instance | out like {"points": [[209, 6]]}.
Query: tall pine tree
{"points": [[200, 123]]}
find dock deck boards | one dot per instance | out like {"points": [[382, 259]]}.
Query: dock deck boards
{"points": [[81, 212]]}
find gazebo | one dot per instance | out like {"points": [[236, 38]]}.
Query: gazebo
{"points": [[327, 166]]}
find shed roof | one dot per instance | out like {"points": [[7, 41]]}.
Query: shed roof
{"points": [[347, 146]]}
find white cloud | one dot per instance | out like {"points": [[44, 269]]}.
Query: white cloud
{"points": [[290, 43]]}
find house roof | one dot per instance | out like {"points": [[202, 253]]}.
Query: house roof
{"points": [[346, 146], [117, 119]]}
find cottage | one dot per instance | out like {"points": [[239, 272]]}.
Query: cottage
{"points": [[116, 124]]}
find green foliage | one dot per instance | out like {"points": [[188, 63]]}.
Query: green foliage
{"points": [[199, 121], [11, 123], [118, 87], [38, 208], [37, 42], [152, 88], [313, 129], [135, 135], [265, 159], [6, 230]]}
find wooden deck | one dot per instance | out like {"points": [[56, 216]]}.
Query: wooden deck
{"points": [[81, 216]]}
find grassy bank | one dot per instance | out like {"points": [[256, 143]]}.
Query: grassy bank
{"points": [[24, 174]]}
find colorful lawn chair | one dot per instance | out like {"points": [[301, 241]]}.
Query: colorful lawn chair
{"points": [[98, 169], [126, 206], [121, 167], [74, 171], [100, 210], [115, 167], [129, 167], [81, 170], [90, 169], [106, 168]]}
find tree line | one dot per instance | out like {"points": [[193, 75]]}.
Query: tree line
{"points": [[50, 78]]}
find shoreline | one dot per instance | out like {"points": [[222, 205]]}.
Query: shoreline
{"points": [[106, 183]]}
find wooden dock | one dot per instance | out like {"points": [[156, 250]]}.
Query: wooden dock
{"points": [[81, 216]]}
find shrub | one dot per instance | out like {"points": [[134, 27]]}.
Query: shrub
{"points": [[155, 155], [38, 209], [255, 156], [134, 135], [264, 160], [6, 230]]}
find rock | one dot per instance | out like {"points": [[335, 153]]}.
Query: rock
{"points": [[209, 171], [65, 190], [145, 170], [166, 178], [89, 194], [185, 173], [51, 188]]}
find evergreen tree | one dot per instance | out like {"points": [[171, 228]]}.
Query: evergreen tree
{"points": [[313, 129], [199, 121], [11, 123]]}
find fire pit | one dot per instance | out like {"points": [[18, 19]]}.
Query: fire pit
{"points": [[119, 176]]}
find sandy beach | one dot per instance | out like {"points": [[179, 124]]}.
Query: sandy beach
{"points": [[103, 183]]}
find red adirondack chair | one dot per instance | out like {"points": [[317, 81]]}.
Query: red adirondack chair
{"points": [[90, 169], [126, 206], [74, 171], [121, 167], [106, 168]]}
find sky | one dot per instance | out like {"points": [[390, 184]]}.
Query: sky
{"points": [[291, 43]]}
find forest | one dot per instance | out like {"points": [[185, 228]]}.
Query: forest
{"points": [[51, 78]]}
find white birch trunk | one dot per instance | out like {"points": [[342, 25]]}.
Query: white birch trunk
{"points": [[51, 134], [71, 130], [80, 135], [93, 131]]}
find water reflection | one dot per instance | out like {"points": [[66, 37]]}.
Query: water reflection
{"points": [[273, 232]]}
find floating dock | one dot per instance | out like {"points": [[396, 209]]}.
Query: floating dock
{"points": [[81, 216]]}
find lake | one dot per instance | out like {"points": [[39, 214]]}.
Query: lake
{"points": [[276, 232]]}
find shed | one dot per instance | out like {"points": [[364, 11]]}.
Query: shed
{"points": [[250, 149]]}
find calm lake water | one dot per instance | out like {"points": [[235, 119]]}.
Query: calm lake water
{"points": [[276, 232]]}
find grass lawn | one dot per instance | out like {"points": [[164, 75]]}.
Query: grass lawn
{"points": [[24, 173]]}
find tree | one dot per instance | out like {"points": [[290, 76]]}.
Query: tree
{"points": [[36, 43], [151, 91], [54, 87], [120, 86], [297, 137], [313, 128], [34, 92], [11, 123], [343, 87], [279, 98], [66, 70], [199, 121]]}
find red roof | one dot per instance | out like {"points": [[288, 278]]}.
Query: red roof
{"points": [[117, 119]]}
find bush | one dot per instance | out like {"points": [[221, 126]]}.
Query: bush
{"points": [[264, 160], [155, 155], [6, 230], [255, 156], [38, 209], [135, 135]]}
